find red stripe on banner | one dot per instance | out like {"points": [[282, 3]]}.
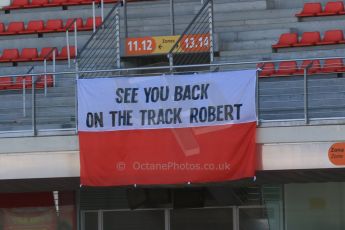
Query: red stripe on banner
{"points": [[168, 156]]}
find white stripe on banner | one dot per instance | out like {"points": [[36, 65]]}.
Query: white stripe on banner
{"points": [[168, 101]]}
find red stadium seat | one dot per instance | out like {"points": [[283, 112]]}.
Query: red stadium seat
{"points": [[73, 2], [332, 8], [37, 3], [69, 23], [33, 27], [333, 65], [267, 69], [310, 9], [17, 4], [287, 68], [46, 53], [9, 55], [89, 23], [99, 1], [53, 25], [19, 82], [56, 3], [15, 27], [5, 83], [286, 40], [332, 37], [28, 54], [2, 28], [309, 39], [314, 67], [49, 81], [64, 55]]}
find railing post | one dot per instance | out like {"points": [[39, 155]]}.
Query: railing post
{"points": [[257, 95], [24, 97], [117, 31], [76, 94], [75, 38], [210, 13], [54, 66], [68, 51], [305, 80], [125, 17], [45, 77], [94, 16], [167, 219], [102, 10], [172, 17], [33, 105], [171, 62]]}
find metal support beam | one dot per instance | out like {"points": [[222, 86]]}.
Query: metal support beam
{"points": [[24, 97], [68, 50], [166, 219], [210, 21], [45, 77], [102, 10], [117, 37], [33, 105], [305, 92], [100, 220], [94, 16], [125, 17], [172, 17], [257, 104], [75, 38]]}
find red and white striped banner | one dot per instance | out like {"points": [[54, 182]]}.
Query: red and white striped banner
{"points": [[168, 129]]}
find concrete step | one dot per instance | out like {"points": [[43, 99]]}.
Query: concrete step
{"points": [[309, 54], [225, 24], [256, 15], [236, 53], [46, 14], [240, 6], [246, 45], [252, 35], [35, 42], [298, 26]]}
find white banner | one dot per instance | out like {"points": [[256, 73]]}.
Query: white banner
{"points": [[168, 101]]}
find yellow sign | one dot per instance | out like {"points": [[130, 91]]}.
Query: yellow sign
{"points": [[163, 44]]}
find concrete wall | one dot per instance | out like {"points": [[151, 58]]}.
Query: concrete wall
{"points": [[58, 156], [4, 3], [315, 206], [285, 4]]}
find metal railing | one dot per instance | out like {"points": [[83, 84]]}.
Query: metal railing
{"points": [[195, 45], [102, 50], [301, 99]]}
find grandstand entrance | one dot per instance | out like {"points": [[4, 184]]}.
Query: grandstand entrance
{"points": [[203, 208], [230, 218]]}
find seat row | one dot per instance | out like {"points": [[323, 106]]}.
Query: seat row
{"points": [[31, 54], [314, 9], [52, 25], [330, 37], [24, 4], [288, 68], [18, 83]]}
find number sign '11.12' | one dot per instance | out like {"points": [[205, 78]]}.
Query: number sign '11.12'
{"points": [[163, 44]]}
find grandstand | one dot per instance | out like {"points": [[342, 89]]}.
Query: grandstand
{"points": [[296, 48]]}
